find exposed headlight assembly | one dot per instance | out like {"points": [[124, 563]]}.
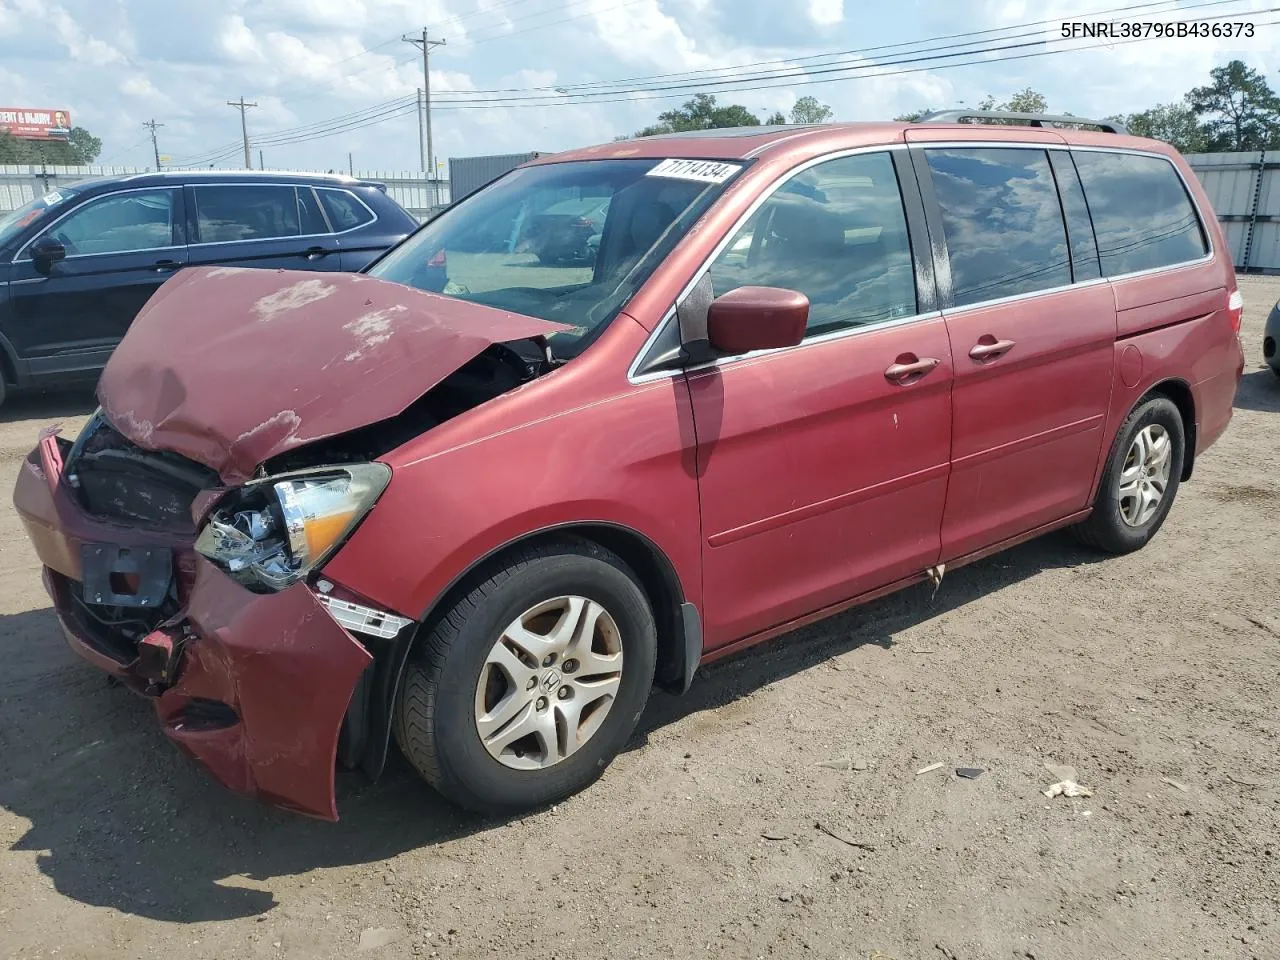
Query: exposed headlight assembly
{"points": [[272, 533]]}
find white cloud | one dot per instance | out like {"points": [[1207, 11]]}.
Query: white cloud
{"points": [[826, 12], [115, 63]]}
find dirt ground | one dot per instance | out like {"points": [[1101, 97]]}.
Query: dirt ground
{"points": [[1155, 675]]}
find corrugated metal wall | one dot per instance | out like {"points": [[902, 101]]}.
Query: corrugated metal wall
{"points": [[21, 183], [469, 174], [1244, 189]]}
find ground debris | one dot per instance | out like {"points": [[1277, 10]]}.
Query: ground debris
{"points": [[373, 937], [969, 773], [929, 769], [1174, 783], [818, 825], [843, 763], [1067, 788]]}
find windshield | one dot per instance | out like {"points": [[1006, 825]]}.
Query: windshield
{"points": [[566, 242], [13, 223]]}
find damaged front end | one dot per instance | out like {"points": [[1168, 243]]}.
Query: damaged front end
{"points": [[184, 532]]}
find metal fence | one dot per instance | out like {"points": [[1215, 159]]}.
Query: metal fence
{"points": [[1244, 189], [21, 183]]}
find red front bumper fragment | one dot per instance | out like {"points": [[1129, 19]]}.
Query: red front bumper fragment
{"points": [[253, 686]]}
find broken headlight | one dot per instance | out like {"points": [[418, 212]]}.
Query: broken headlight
{"points": [[272, 533]]}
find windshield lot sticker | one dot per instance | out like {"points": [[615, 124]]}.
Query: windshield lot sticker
{"points": [[704, 171], [52, 197]]}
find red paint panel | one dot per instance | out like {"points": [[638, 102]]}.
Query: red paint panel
{"points": [[1029, 423], [287, 669], [580, 445], [230, 366], [1204, 354], [820, 478]]}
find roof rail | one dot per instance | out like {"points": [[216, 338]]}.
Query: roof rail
{"points": [[1027, 119]]}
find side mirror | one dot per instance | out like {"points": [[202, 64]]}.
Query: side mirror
{"points": [[47, 251], [757, 318]]}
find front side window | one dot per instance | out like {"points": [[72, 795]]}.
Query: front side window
{"points": [[836, 233], [119, 223], [227, 213], [1142, 215], [1002, 222], [566, 242], [15, 221]]}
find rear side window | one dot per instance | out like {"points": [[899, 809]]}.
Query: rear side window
{"points": [[835, 232], [1084, 251], [346, 211], [1142, 215], [229, 212], [1002, 221]]}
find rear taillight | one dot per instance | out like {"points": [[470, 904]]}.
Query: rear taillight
{"points": [[1235, 309], [438, 260]]}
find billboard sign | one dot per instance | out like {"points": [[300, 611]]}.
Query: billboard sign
{"points": [[35, 123]]}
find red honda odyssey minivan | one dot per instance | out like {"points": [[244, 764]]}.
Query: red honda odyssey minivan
{"points": [[483, 503]]}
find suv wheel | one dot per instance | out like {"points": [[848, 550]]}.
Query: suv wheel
{"points": [[532, 683], [1140, 480]]}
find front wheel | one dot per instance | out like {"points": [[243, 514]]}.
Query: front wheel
{"points": [[1140, 480], [531, 684]]}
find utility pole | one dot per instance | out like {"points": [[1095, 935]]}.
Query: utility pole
{"points": [[422, 149], [244, 128], [155, 145], [426, 43], [262, 164]]}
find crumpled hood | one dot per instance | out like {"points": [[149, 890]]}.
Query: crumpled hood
{"points": [[231, 366]]}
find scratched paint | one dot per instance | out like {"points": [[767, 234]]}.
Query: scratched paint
{"points": [[293, 297]]}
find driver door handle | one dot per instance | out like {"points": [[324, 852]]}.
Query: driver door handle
{"points": [[315, 253], [909, 368], [165, 266]]}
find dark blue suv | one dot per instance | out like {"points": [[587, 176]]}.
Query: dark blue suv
{"points": [[77, 265]]}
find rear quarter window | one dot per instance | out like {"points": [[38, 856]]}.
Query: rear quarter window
{"points": [[346, 211], [1142, 215]]}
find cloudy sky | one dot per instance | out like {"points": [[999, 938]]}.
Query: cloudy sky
{"points": [[332, 66]]}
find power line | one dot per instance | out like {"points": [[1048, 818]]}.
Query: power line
{"points": [[803, 80], [760, 80], [711, 71], [932, 52]]}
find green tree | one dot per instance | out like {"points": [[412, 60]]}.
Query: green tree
{"points": [[775, 119], [1238, 108], [80, 147], [1174, 123], [701, 113], [810, 110], [1025, 101]]}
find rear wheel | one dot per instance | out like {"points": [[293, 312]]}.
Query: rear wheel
{"points": [[1140, 480], [532, 683]]}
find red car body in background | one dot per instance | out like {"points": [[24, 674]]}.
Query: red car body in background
{"points": [[810, 383]]}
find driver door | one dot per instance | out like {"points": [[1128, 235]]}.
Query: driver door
{"points": [[69, 315]]}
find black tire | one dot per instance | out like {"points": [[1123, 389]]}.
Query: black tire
{"points": [[434, 721], [1106, 529]]}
